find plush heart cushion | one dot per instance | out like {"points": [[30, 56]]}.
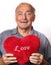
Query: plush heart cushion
{"points": [[22, 48]]}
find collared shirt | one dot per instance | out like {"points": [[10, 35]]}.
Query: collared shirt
{"points": [[45, 47]]}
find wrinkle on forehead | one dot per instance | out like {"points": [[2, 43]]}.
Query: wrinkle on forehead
{"points": [[24, 5]]}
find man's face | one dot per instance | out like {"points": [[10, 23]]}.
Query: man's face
{"points": [[24, 16]]}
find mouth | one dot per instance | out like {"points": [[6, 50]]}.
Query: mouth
{"points": [[25, 21]]}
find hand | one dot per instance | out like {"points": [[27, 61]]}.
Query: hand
{"points": [[8, 58], [36, 58]]}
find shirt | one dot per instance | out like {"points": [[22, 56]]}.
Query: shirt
{"points": [[45, 47]]}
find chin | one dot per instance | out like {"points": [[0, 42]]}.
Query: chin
{"points": [[23, 27]]}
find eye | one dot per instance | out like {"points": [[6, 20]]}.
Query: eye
{"points": [[29, 13], [19, 13]]}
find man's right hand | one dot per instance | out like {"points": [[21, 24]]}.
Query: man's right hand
{"points": [[8, 59]]}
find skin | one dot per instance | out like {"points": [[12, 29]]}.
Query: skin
{"points": [[24, 17]]}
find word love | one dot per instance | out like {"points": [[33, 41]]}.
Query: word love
{"points": [[17, 48]]}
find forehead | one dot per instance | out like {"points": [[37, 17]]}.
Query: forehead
{"points": [[24, 7]]}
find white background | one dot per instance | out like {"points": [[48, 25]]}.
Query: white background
{"points": [[43, 15]]}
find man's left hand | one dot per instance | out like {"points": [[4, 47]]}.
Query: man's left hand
{"points": [[36, 58]]}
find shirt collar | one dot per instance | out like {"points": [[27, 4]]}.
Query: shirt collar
{"points": [[15, 31]]}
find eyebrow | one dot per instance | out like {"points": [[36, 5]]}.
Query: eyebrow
{"points": [[26, 11], [18, 11]]}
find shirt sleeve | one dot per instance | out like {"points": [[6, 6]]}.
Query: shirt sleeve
{"points": [[47, 50], [0, 45]]}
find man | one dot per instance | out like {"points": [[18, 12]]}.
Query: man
{"points": [[25, 15]]}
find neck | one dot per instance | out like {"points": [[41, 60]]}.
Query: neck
{"points": [[24, 32]]}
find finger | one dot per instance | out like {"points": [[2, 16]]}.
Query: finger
{"points": [[34, 57], [8, 62], [11, 61], [35, 54], [11, 58], [34, 61], [41, 57], [8, 55]]}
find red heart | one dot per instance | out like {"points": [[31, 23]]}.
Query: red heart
{"points": [[22, 48]]}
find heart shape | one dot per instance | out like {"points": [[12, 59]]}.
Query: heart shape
{"points": [[22, 48]]}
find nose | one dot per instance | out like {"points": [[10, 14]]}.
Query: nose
{"points": [[24, 16]]}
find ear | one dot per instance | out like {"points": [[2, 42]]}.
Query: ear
{"points": [[16, 18], [33, 18]]}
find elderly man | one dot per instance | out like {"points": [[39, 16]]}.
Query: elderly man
{"points": [[25, 15]]}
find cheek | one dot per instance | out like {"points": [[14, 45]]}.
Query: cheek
{"points": [[30, 18], [18, 18]]}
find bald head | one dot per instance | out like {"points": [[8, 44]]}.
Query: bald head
{"points": [[25, 4]]}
